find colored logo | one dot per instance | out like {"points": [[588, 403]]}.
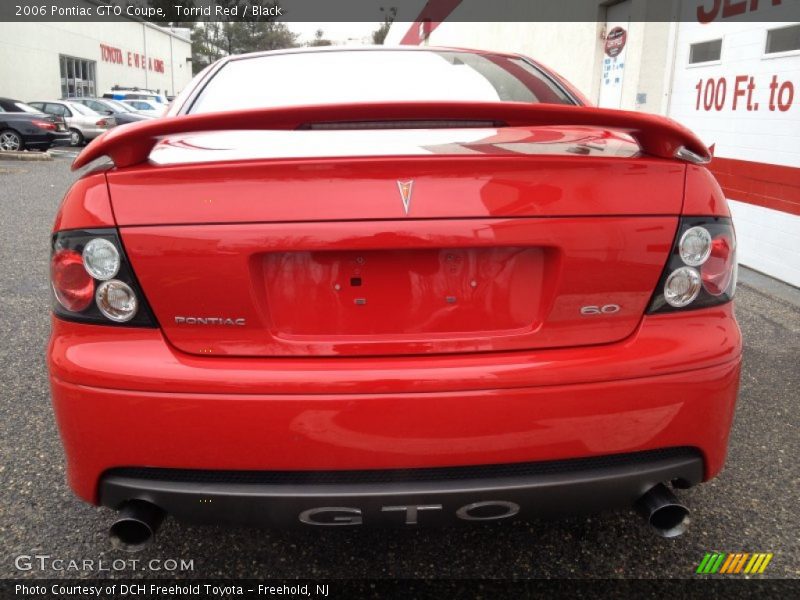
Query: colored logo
{"points": [[615, 41], [733, 563], [405, 192]]}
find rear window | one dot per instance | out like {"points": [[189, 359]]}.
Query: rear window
{"points": [[84, 110], [15, 106], [375, 76], [119, 106], [22, 107]]}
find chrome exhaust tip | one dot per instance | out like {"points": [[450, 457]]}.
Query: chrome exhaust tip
{"points": [[136, 525], [663, 511]]}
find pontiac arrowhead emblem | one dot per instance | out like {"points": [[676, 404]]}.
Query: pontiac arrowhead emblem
{"points": [[405, 192]]}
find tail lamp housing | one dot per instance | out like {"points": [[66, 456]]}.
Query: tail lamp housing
{"points": [[46, 125], [93, 282], [701, 270]]}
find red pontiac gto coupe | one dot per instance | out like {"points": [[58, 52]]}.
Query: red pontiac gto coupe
{"points": [[392, 286]]}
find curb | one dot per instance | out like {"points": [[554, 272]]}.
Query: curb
{"points": [[769, 286], [26, 156]]}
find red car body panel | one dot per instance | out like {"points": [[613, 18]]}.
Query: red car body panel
{"points": [[366, 334], [386, 413], [86, 205]]}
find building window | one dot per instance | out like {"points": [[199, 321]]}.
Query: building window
{"points": [[705, 51], [78, 77], [783, 39]]}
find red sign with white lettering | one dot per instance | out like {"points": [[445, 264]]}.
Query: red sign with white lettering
{"points": [[615, 41]]}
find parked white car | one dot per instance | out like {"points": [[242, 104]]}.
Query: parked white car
{"points": [[84, 124], [146, 107]]}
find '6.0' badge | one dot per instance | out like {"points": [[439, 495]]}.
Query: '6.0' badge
{"points": [[606, 309]]}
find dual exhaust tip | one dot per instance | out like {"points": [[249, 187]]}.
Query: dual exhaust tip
{"points": [[136, 525], [139, 520], [665, 514]]}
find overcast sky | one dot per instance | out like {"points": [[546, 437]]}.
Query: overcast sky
{"points": [[336, 32]]}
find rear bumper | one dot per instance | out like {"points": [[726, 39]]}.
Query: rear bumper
{"points": [[60, 139], [45, 140], [125, 398], [89, 133], [411, 497]]}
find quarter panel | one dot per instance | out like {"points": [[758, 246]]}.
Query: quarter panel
{"points": [[85, 205]]}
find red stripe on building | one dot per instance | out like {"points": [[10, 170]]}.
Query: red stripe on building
{"points": [[431, 16], [771, 186]]}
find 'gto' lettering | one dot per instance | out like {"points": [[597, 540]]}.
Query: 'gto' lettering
{"points": [[490, 510], [209, 321]]}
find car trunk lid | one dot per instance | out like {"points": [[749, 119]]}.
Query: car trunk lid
{"points": [[349, 243]]}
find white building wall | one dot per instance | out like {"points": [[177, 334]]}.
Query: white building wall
{"points": [[769, 239], [30, 67]]}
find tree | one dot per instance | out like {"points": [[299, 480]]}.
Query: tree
{"points": [[379, 35], [207, 45], [319, 40], [214, 39]]}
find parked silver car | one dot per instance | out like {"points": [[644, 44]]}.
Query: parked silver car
{"points": [[84, 124]]}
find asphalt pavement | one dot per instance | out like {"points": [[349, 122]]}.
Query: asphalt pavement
{"points": [[751, 507]]}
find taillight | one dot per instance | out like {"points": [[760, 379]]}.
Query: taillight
{"points": [[701, 270], [719, 271], [102, 123], [44, 125], [93, 282], [72, 285]]}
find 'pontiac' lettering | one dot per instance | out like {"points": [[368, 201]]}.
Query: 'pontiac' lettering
{"points": [[210, 321]]}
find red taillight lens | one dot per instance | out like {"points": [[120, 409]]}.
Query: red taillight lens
{"points": [[72, 285], [718, 270], [44, 125], [102, 123]]}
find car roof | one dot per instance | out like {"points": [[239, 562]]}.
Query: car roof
{"points": [[70, 102], [366, 48], [12, 103]]}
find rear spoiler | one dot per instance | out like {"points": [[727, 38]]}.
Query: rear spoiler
{"points": [[131, 144]]}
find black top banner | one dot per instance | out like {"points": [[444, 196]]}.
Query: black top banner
{"points": [[181, 11]]}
